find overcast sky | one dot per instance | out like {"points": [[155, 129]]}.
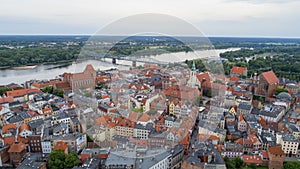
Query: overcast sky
{"points": [[251, 18]]}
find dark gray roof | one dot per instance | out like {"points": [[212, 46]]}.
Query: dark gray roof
{"points": [[267, 138], [250, 117], [153, 133], [284, 96], [15, 119], [34, 161], [254, 125], [62, 115], [149, 126], [59, 127], [244, 106], [75, 120], [292, 127], [24, 114], [90, 163], [289, 137], [95, 151], [115, 159], [177, 150], [170, 118], [217, 160], [36, 123], [150, 161], [233, 147], [120, 139], [15, 104]]}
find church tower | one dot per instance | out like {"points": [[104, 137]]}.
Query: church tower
{"points": [[192, 82]]}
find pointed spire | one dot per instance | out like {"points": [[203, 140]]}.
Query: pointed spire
{"points": [[194, 67]]}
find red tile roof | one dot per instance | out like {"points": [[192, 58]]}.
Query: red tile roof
{"points": [[104, 120], [24, 126], [204, 79], [276, 150], [32, 113], [249, 159], [240, 118], [47, 110], [9, 140], [17, 147], [270, 77], [60, 146], [44, 84], [265, 154], [144, 118], [243, 141], [234, 78], [126, 123], [182, 92], [207, 136], [133, 116], [253, 138], [21, 92], [8, 99], [8, 127], [138, 86], [238, 70], [186, 139], [105, 97]]}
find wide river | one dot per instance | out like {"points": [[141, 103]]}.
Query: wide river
{"points": [[54, 70]]}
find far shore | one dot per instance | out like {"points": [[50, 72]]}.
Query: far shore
{"points": [[26, 67]]}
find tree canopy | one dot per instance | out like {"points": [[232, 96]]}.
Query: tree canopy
{"points": [[291, 165], [59, 160]]}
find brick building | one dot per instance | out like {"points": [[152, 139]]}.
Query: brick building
{"points": [[16, 153], [268, 83], [35, 143], [276, 157], [85, 79], [238, 71]]}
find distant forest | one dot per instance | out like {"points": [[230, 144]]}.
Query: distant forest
{"points": [[257, 54], [284, 61]]}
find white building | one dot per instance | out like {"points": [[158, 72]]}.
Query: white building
{"points": [[46, 147], [289, 144], [193, 81]]}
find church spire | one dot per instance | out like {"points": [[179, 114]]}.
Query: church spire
{"points": [[194, 67]]}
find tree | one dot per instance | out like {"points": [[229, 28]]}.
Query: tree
{"points": [[71, 160], [229, 163], [58, 92], [279, 90], [47, 89], [3, 91], [59, 160], [239, 163], [235, 163], [291, 165], [56, 159]]}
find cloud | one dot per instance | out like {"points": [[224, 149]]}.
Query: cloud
{"points": [[80, 17], [263, 1]]}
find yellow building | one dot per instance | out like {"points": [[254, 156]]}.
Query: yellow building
{"points": [[171, 108]]}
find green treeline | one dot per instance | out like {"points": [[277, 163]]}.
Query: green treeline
{"points": [[36, 55]]}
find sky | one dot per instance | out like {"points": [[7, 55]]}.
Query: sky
{"points": [[238, 18]]}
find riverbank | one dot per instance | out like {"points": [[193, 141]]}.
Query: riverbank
{"points": [[26, 67], [49, 71]]}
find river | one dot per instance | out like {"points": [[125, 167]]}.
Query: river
{"points": [[44, 72]]}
